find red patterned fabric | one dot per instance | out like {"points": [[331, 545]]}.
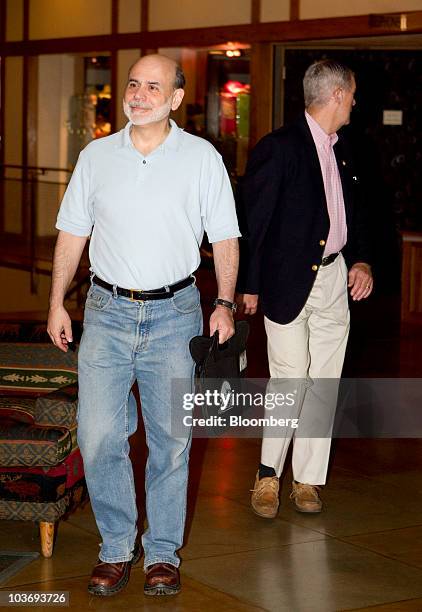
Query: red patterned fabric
{"points": [[40, 484], [41, 473]]}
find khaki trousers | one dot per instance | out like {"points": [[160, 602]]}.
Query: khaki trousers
{"points": [[311, 346]]}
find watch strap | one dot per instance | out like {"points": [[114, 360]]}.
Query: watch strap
{"points": [[231, 305]]}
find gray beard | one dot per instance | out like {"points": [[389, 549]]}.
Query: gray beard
{"points": [[155, 115]]}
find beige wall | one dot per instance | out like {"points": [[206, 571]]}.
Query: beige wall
{"points": [[275, 10], [61, 18], [66, 18], [312, 9], [18, 297], [172, 15], [14, 25], [129, 19]]}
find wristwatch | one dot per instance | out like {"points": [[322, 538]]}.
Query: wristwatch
{"points": [[231, 305]]}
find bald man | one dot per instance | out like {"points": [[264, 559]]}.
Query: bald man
{"points": [[144, 197]]}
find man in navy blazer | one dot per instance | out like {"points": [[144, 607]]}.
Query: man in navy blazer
{"points": [[301, 223]]}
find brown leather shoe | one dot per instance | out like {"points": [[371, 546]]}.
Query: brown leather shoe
{"points": [[162, 579], [110, 578], [306, 497], [264, 500]]}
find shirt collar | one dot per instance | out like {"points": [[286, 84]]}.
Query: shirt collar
{"points": [[321, 138], [172, 142]]}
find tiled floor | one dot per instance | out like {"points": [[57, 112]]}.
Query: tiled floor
{"points": [[364, 552]]}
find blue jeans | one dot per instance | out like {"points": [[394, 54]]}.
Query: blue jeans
{"points": [[147, 341]]}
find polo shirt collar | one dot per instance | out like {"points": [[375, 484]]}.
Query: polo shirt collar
{"points": [[172, 142]]}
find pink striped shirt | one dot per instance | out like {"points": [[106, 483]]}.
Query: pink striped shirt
{"points": [[324, 143]]}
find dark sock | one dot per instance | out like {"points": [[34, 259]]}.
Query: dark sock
{"points": [[265, 471]]}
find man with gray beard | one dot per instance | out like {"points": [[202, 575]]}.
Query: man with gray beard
{"points": [[145, 195]]}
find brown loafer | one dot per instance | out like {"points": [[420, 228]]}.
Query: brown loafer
{"points": [[162, 579], [306, 497], [110, 578], [264, 500]]}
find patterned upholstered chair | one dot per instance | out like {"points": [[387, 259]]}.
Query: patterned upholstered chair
{"points": [[41, 469]]}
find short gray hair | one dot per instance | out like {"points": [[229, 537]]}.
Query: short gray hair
{"points": [[321, 78], [179, 81]]}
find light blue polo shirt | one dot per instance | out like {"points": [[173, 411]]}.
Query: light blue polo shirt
{"points": [[147, 214]]}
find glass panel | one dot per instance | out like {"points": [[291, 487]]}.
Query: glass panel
{"points": [[227, 113], [216, 102], [78, 112]]}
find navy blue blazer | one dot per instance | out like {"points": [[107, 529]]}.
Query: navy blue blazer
{"points": [[284, 219]]}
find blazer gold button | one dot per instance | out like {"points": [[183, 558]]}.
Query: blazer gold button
{"points": [[321, 242], [314, 268]]}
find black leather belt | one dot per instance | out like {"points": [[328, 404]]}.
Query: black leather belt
{"points": [[329, 259], [162, 293]]}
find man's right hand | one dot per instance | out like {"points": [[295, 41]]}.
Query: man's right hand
{"points": [[59, 327], [247, 303]]}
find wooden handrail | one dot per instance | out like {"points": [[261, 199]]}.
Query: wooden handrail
{"points": [[42, 169]]}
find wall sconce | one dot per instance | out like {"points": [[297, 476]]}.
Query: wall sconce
{"points": [[233, 53]]}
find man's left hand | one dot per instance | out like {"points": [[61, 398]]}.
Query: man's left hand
{"points": [[361, 282], [222, 320]]}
